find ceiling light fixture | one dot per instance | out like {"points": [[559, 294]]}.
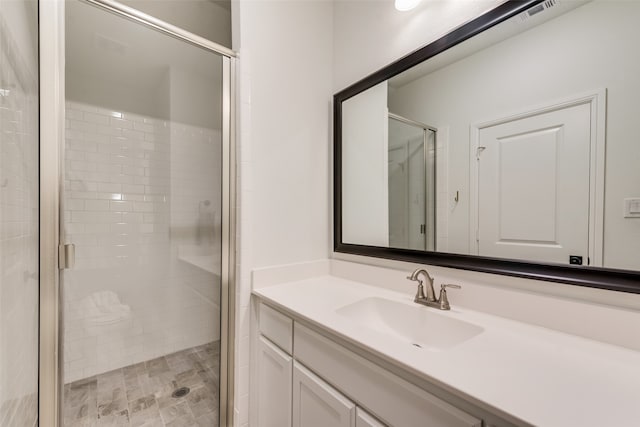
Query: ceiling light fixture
{"points": [[404, 5]]}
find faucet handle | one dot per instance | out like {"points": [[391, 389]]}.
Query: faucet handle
{"points": [[444, 301], [420, 291]]}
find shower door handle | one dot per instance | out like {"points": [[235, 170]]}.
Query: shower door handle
{"points": [[66, 256]]}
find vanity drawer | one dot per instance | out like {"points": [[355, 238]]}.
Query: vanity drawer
{"points": [[392, 399], [277, 327]]}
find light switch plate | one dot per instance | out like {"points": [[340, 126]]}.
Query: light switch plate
{"points": [[632, 207]]}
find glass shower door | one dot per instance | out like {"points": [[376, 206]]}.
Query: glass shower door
{"points": [[143, 205], [19, 205], [411, 171], [407, 185]]}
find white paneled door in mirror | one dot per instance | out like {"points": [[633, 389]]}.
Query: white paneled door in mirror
{"points": [[19, 206], [533, 187], [143, 206]]}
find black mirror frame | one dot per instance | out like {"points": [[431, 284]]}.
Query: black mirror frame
{"points": [[594, 277]]}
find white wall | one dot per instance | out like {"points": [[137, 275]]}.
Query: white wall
{"points": [[365, 182], [196, 94], [206, 18], [118, 94], [370, 34], [286, 59], [285, 88], [442, 99]]}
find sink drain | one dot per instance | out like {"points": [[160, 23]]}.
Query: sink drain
{"points": [[180, 392], [417, 345]]}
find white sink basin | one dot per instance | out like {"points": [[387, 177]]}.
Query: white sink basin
{"points": [[420, 326]]}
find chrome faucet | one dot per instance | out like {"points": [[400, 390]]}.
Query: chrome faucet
{"points": [[430, 300], [431, 295]]}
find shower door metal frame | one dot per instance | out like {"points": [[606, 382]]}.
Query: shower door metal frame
{"points": [[425, 143], [51, 52], [52, 131]]}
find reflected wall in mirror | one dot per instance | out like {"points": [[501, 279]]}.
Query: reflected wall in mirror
{"points": [[535, 153], [390, 184]]}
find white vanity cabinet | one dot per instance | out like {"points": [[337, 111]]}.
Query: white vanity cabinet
{"points": [[392, 399], [319, 383], [317, 404], [365, 420], [275, 368]]}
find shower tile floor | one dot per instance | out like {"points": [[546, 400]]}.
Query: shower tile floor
{"points": [[140, 395]]}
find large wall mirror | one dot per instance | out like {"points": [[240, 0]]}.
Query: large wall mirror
{"points": [[508, 146]]}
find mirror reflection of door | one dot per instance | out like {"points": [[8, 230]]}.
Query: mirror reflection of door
{"points": [[411, 185], [534, 187]]}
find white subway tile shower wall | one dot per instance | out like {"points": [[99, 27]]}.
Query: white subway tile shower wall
{"points": [[135, 207], [18, 226]]}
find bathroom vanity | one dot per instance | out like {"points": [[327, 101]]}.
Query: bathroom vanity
{"points": [[311, 383], [335, 352], [500, 173]]}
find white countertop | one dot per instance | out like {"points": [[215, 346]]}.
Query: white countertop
{"points": [[537, 375]]}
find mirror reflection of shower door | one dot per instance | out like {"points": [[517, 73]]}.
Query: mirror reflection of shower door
{"points": [[143, 205], [411, 185]]}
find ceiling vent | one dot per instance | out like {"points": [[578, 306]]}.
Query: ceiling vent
{"points": [[524, 16]]}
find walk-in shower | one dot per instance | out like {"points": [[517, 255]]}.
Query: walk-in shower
{"points": [[146, 205]]}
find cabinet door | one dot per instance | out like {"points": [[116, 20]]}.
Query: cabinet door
{"points": [[274, 385], [363, 419], [317, 404], [396, 401]]}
